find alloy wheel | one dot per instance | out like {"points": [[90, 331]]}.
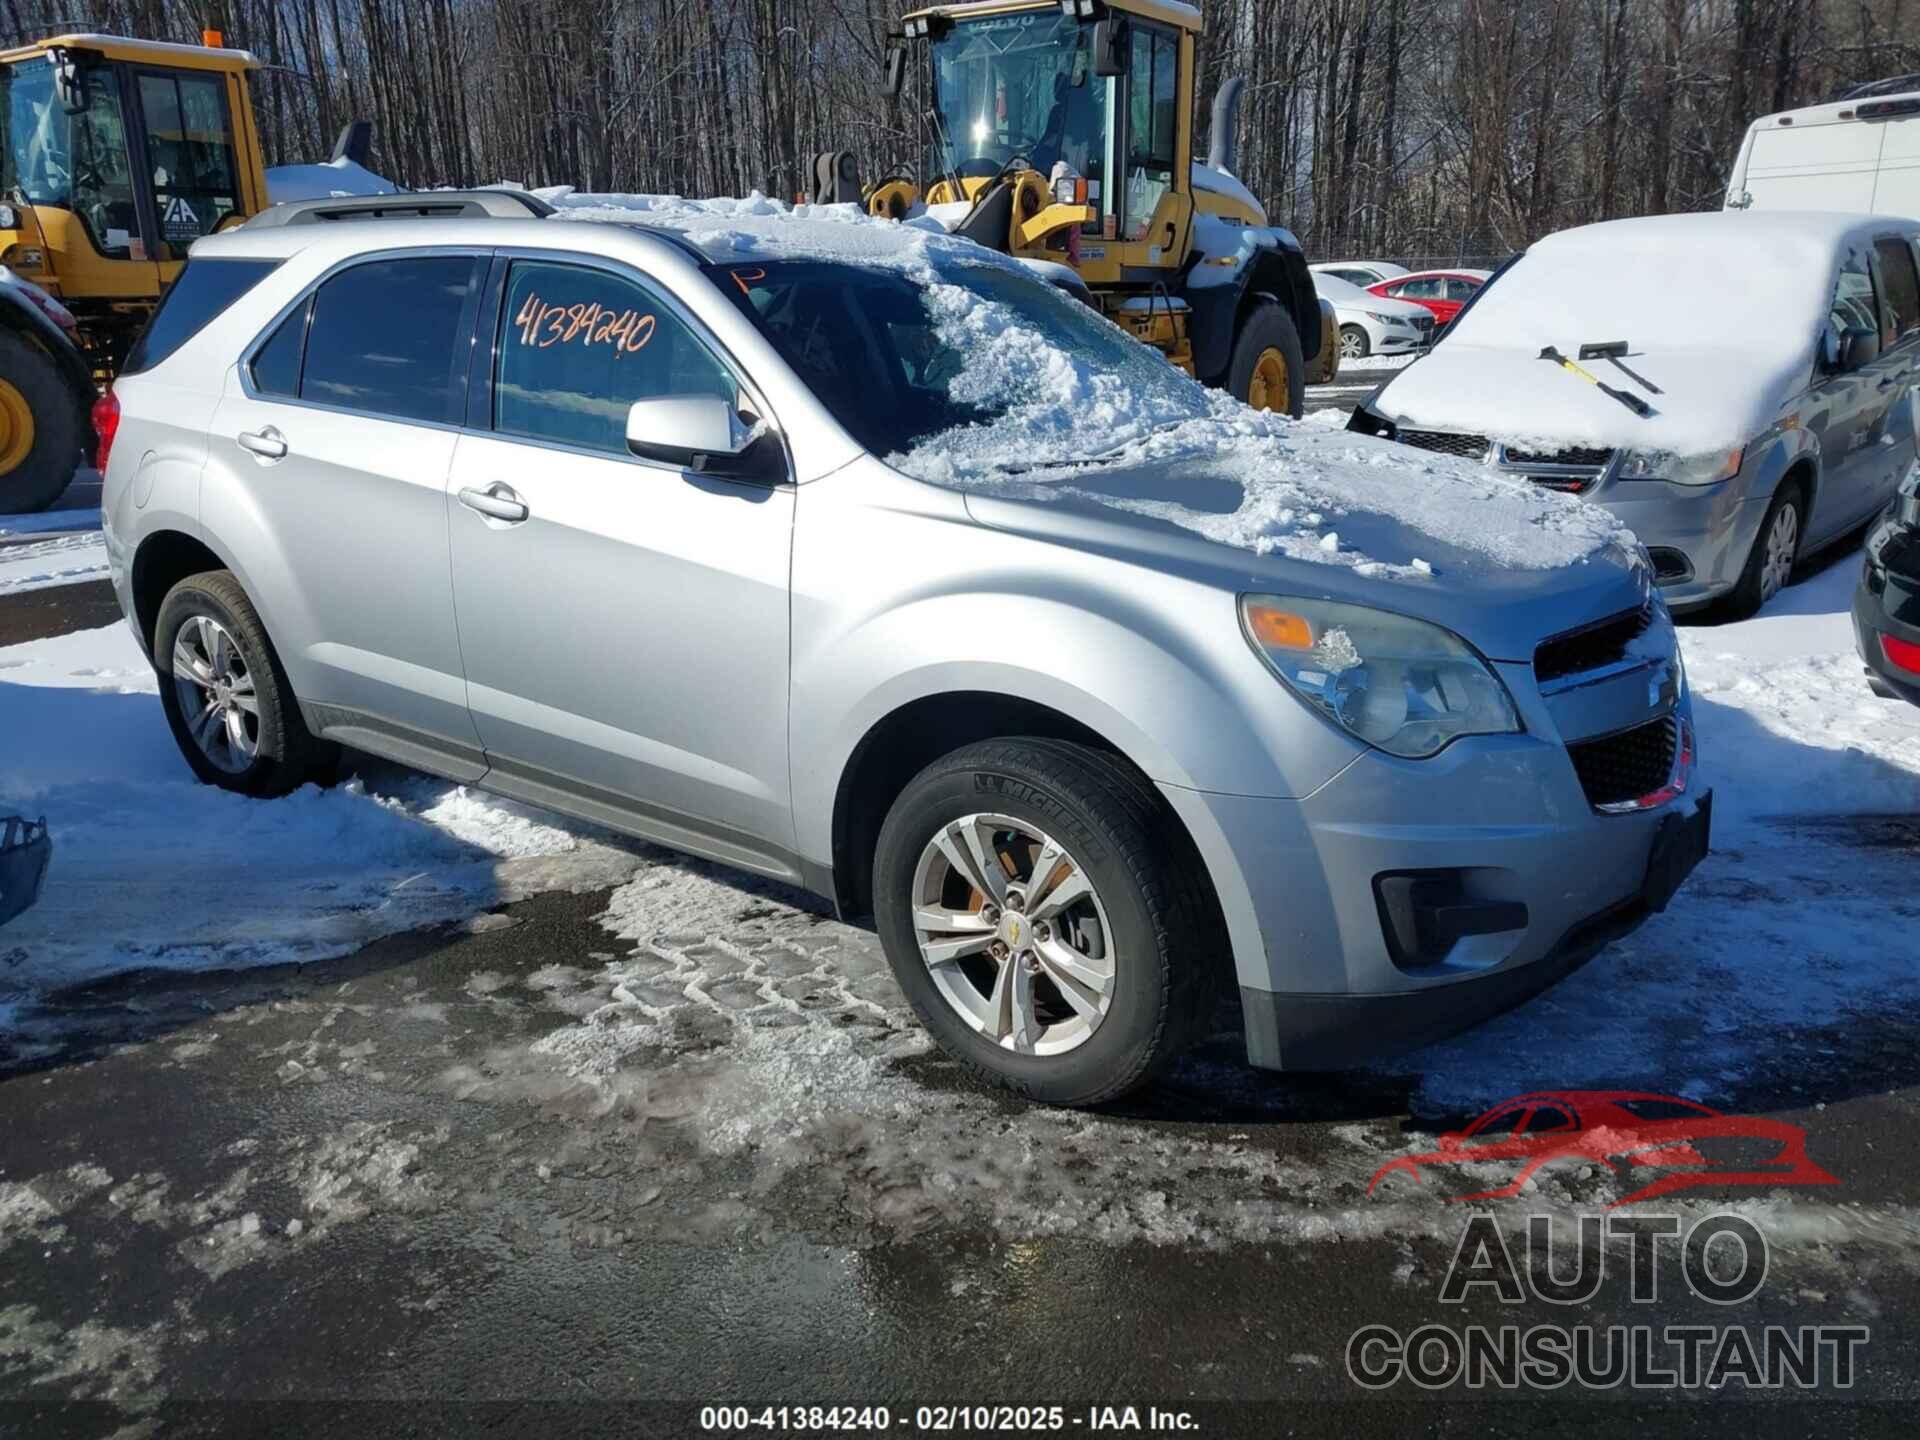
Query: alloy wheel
{"points": [[1014, 934], [216, 692], [1353, 345], [1783, 540]]}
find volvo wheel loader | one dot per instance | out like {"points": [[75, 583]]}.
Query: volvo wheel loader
{"points": [[115, 156], [1062, 131]]}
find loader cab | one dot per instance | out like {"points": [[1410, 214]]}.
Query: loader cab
{"points": [[115, 156], [1104, 87]]}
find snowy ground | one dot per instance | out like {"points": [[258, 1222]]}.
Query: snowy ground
{"points": [[153, 871], [54, 547]]}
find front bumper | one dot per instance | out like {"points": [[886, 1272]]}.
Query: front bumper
{"points": [[1506, 818], [1887, 602], [1711, 527]]}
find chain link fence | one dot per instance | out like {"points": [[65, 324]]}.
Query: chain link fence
{"points": [[1470, 252]]}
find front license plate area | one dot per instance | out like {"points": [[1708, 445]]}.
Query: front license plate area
{"points": [[1681, 842]]}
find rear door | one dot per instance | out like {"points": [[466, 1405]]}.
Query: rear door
{"points": [[333, 448], [625, 638], [1814, 167]]}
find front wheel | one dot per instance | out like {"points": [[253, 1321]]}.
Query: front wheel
{"points": [[1042, 923], [1353, 343], [1775, 550], [40, 428], [1268, 370]]}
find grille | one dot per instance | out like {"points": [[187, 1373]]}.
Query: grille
{"points": [[1424, 324], [1583, 456], [1591, 648], [1626, 766], [1471, 447]]}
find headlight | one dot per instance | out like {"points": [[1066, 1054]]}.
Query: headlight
{"points": [[1680, 469], [1376, 316], [1906, 503], [1401, 685]]}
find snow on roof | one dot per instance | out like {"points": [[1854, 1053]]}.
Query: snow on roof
{"points": [[1722, 310], [1128, 430]]}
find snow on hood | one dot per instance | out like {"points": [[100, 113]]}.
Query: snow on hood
{"points": [[1107, 419], [1722, 311]]}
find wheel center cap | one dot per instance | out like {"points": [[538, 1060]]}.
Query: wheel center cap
{"points": [[1014, 931]]}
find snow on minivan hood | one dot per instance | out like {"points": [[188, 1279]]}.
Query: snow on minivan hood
{"points": [[1723, 311], [1139, 437]]}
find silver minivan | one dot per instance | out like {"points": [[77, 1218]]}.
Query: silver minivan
{"points": [[687, 530], [1738, 389]]}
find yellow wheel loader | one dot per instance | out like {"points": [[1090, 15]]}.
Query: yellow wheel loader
{"points": [[115, 156], [1061, 131]]}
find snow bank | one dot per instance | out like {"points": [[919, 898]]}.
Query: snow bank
{"points": [[1722, 311], [1105, 398], [153, 870]]}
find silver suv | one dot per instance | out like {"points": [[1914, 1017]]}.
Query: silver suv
{"points": [[783, 542]]}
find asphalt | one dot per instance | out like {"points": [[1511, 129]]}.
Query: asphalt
{"points": [[348, 1198]]}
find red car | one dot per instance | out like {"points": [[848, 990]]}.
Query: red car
{"points": [[1620, 1129], [1443, 292]]}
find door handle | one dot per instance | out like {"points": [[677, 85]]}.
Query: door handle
{"points": [[496, 502], [268, 444]]}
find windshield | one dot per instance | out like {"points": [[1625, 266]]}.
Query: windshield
{"points": [[984, 368], [76, 162], [1019, 85]]}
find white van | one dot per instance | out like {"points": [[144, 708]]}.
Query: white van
{"points": [[1859, 154]]}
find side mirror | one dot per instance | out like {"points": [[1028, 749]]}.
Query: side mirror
{"points": [[1109, 47], [703, 433], [1859, 348], [69, 82], [896, 70]]}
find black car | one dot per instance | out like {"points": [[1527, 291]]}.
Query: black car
{"points": [[1886, 607]]}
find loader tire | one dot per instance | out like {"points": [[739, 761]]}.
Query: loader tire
{"points": [[1268, 370], [40, 428]]}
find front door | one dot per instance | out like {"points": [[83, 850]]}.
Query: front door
{"points": [[623, 623], [1850, 405], [335, 447]]}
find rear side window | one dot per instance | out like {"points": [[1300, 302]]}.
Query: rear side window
{"points": [[204, 289], [578, 346], [388, 337], [1903, 285]]}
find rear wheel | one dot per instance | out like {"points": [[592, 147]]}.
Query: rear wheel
{"points": [[40, 428], [1353, 343], [228, 701], [1268, 370], [1042, 923]]}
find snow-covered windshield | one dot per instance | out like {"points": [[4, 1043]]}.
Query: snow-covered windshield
{"points": [[975, 363]]}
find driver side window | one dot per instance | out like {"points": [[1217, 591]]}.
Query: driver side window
{"points": [[102, 176], [1854, 306]]}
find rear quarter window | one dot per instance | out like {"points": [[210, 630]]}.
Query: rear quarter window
{"points": [[204, 290]]}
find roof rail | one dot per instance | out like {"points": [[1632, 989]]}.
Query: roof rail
{"points": [[406, 205], [1892, 85]]}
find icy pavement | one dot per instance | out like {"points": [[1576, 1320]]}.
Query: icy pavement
{"points": [[765, 1048]]}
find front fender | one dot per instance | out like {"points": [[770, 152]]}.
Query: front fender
{"points": [[899, 596]]}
